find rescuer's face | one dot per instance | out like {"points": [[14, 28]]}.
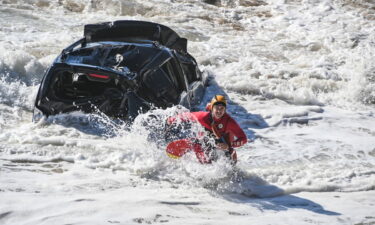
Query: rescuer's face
{"points": [[218, 111]]}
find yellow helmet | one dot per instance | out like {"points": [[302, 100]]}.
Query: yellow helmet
{"points": [[218, 100]]}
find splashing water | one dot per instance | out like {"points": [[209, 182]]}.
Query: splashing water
{"points": [[299, 76]]}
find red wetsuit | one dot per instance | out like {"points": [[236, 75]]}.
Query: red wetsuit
{"points": [[225, 126]]}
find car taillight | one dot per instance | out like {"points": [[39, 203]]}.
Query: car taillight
{"points": [[98, 76]]}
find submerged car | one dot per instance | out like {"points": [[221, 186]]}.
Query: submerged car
{"points": [[121, 69]]}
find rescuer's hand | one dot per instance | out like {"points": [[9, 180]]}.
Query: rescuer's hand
{"points": [[222, 146]]}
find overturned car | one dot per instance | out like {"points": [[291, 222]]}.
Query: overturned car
{"points": [[121, 69]]}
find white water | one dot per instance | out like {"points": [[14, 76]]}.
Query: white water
{"points": [[301, 79]]}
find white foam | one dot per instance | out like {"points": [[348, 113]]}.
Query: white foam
{"points": [[299, 79]]}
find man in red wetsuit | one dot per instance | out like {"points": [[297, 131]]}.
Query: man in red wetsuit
{"points": [[226, 132]]}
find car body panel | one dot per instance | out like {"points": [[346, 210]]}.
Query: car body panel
{"points": [[121, 68]]}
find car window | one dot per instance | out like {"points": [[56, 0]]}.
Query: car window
{"points": [[164, 91], [189, 68]]}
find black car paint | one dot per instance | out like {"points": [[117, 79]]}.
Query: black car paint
{"points": [[121, 68]]}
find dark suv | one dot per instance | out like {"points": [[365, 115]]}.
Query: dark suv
{"points": [[121, 68]]}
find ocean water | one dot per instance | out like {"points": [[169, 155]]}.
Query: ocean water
{"points": [[300, 76]]}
